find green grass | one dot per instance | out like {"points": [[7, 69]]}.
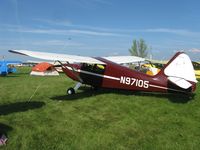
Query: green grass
{"points": [[103, 119]]}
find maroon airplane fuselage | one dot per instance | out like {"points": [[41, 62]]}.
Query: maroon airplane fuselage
{"points": [[116, 76]]}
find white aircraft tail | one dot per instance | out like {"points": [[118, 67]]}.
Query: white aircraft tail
{"points": [[180, 71]]}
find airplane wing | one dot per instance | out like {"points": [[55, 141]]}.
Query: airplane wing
{"points": [[77, 59], [124, 59], [56, 57]]}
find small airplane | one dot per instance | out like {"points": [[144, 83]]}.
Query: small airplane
{"points": [[7, 67], [196, 69], [177, 76]]}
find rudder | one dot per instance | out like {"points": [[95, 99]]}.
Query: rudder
{"points": [[180, 71]]}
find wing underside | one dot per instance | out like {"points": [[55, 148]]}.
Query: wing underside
{"points": [[77, 59], [56, 57], [124, 59]]}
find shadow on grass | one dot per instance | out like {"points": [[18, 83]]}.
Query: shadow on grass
{"points": [[9, 76], [4, 129], [84, 92], [172, 97], [19, 107], [88, 92]]}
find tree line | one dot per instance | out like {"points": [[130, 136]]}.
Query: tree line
{"points": [[139, 48]]}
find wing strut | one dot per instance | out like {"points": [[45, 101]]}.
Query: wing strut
{"points": [[72, 68]]}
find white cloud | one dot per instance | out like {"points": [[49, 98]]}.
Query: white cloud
{"points": [[173, 31], [57, 43], [74, 29], [89, 4], [107, 2], [66, 23], [95, 33], [194, 50], [63, 32], [54, 22]]}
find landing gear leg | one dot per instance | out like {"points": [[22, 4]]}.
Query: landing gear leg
{"points": [[71, 90]]}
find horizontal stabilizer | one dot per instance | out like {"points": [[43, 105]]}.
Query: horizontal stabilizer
{"points": [[180, 82]]}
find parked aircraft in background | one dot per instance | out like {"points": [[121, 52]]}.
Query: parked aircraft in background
{"points": [[197, 69], [107, 72], [7, 67]]}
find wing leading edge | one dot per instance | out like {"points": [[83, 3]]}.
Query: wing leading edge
{"points": [[60, 57]]}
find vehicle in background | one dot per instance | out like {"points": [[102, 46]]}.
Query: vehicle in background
{"points": [[196, 69], [7, 67]]}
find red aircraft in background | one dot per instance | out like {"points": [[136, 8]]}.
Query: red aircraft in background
{"points": [[177, 76]]}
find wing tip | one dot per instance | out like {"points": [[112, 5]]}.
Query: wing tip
{"points": [[16, 52]]}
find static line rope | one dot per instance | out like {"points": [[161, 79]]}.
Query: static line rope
{"points": [[35, 91]]}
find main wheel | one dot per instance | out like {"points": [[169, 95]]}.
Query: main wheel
{"points": [[70, 91]]}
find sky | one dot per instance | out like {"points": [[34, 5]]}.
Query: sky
{"points": [[100, 27]]}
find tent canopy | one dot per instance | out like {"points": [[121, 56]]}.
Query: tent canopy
{"points": [[44, 69], [44, 66]]}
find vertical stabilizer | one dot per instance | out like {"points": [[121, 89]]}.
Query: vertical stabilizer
{"points": [[180, 70], [181, 66]]}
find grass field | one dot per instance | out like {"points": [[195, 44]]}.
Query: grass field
{"points": [[103, 119]]}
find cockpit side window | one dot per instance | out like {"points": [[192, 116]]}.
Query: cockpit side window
{"points": [[95, 68]]}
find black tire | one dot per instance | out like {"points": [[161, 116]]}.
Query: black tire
{"points": [[70, 91]]}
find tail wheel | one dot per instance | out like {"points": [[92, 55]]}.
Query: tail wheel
{"points": [[70, 91]]}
